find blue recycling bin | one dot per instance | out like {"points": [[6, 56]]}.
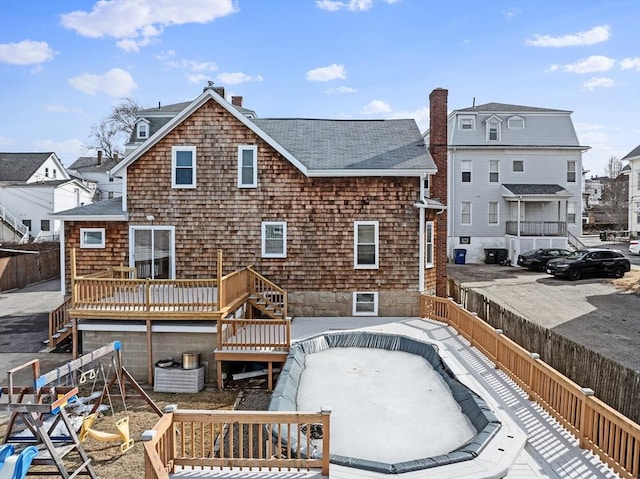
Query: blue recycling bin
{"points": [[460, 255]]}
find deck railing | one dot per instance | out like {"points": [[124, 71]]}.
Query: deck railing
{"points": [[254, 334], [253, 440], [537, 228], [598, 427], [272, 295], [59, 327]]}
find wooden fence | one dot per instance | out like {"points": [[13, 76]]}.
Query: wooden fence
{"points": [[616, 385], [598, 427], [21, 270], [212, 440]]}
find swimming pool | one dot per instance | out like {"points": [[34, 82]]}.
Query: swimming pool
{"points": [[482, 423]]}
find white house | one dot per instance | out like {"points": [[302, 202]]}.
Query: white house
{"points": [[633, 171], [515, 175], [33, 185], [96, 169]]}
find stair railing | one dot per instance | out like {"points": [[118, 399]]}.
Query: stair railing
{"points": [[15, 224]]}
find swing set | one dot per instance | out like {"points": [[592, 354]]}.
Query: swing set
{"points": [[40, 411]]}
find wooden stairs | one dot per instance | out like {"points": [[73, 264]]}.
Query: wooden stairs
{"points": [[59, 324]]}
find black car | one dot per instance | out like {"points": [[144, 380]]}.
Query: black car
{"points": [[536, 260], [590, 262]]}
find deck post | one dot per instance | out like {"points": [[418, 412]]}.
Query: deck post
{"points": [[74, 338], [220, 289], [585, 418], [326, 427], [149, 354]]}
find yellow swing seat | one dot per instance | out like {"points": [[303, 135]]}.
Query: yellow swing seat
{"points": [[122, 425]]}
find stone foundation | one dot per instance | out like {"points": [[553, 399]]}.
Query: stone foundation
{"points": [[398, 303]]}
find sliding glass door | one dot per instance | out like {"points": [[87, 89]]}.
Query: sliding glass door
{"points": [[152, 251]]}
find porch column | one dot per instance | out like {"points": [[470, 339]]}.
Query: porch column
{"points": [[518, 223]]}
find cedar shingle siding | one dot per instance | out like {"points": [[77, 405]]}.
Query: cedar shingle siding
{"points": [[319, 212]]}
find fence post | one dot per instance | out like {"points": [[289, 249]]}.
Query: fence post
{"points": [[326, 447], [585, 420], [530, 385], [496, 359]]}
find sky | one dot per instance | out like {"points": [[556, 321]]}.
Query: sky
{"points": [[64, 64]]}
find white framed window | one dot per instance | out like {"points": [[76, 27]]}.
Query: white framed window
{"points": [[518, 166], [429, 261], [465, 213], [365, 245], [494, 171], [494, 212], [142, 130], [466, 123], [45, 225], [46, 172], [638, 181], [365, 303], [183, 166], [493, 130], [274, 239], [571, 212], [571, 171], [55, 174], [465, 168], [515, 123], [247, 166], [92, 238]]}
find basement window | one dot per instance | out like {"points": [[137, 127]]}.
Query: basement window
{"points": [[365, 303]]}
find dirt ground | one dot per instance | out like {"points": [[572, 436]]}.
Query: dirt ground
{"points": [[109, 462], [630, 283]]}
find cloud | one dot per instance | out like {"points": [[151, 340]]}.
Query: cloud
{"points": [[597, 82], [135, 24], [421, 116], [511, 12], [323, 74], [591, 37], [116, 83], [198, 78], [341, 90], [236, 77], [351, 5], [26, 52], [62, 109], [68, 150], [595, 63], [375, 107], [5, 141], [629, 63]]}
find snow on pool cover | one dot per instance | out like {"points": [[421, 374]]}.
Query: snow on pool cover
{"points": [[392, 411]]}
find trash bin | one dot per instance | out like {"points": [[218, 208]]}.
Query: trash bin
{"points": [[603, 236], [490, 256], [460, 255], [502, 255]]}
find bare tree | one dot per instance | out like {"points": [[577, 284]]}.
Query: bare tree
{"points": [[615, 196], [111, 133]]}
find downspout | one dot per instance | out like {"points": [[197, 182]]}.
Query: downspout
{"points": [[450, 176], [518, 224], [421, 233], [62, 261]]}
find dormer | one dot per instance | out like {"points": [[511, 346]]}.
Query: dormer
{"points": [[493, 128], [466, 123], [142, 129], [515, 123]]}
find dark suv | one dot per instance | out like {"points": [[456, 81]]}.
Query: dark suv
{"points": [[590, 262]]}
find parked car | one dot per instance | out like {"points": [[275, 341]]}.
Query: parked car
{"points": [[590, 262], [634, 246], [536, 260]]}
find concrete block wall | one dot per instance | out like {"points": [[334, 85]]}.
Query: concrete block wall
{"points": [[165, 345], [323, 303]]}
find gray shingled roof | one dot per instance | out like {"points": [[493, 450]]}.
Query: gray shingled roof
{"points": [[20, 166], [90, 164], [532, 189], [633, 153], [504, 107], [351, 144], [173, 108], [111, 207]]}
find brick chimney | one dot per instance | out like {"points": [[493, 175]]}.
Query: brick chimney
{"points": [[236, 101], [218, 89], [438, 150], [99, 157]]}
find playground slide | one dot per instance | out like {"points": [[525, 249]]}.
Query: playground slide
{"points": [[16, 466], [6, 450]]}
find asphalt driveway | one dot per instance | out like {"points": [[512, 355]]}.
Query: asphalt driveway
{"points": [[591, 311]]}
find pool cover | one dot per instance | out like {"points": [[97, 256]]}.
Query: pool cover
{"points": [[472, 405]]}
